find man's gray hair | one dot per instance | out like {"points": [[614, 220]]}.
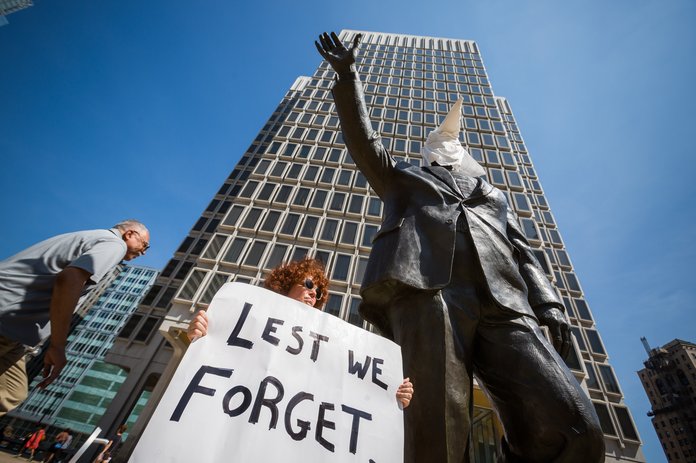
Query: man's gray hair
{"points": [[131, 224]]}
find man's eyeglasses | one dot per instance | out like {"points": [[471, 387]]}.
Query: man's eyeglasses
{"points": [[309, 284], [144, 243]]}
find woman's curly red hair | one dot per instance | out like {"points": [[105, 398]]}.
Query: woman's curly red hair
{"points": [[285, 276]]}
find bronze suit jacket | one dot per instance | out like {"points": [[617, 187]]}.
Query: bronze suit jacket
{"points": [[414, 248]]}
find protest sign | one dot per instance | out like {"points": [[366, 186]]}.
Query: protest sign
{"points": [[277, 380]]}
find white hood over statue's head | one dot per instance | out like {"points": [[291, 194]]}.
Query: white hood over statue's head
{"points": [[443, 147]]}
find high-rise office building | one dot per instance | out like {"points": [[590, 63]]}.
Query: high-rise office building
{"points": [[669, 379], [296, 191], [10, 6], [81, 394]]}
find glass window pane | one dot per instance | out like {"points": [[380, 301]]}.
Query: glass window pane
{"points": [[319, 200], [299, 253], [354, 317], [529, 228], [609, 379], [333, 305], [130, 326], [249, 189], [192, 284], [328, 233], [328, 175], [578, 337], [271, 221], [592, 381], [311, 173], [368, 233], [604, 419], [252, 218], [356, 204], [283, 194], [595, 343], [148, 327], [309, 229], [198, 247], [625, 422], [301, 197], [341, 267], [255, 253], [350, 230], [235, 250], [266, 192], [573, 283], [374, 207], [582, 309], [277, 256], [233, 216], [344, 177], [278, 169], [337, 201], [214, 285], [294, 172], [214, 247], [290, 224], [360, 271]]}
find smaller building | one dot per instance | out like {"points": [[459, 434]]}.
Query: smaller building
{"points": [[10, 6], [669, 379]]}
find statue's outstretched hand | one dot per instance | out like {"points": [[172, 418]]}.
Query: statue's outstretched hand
{"points": [[338, 56], [554, 319]]}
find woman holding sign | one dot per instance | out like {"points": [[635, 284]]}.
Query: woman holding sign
{"points": [[304, 281]]}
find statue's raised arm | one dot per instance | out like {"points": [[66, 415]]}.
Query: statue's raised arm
{"points": [[341, 59]]}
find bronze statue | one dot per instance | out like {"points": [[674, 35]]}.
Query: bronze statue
{"points": [[452, 279]]}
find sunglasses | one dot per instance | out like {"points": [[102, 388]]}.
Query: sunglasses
{"points": [[309, 284]]}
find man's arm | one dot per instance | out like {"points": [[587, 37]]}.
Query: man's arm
{"points": [[66, 294]]}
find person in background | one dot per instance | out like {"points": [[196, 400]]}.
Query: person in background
{"points": [[112, 446], [55, 450], [33, 442]]}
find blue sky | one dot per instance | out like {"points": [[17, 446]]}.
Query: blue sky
{"points": [[141, 109]]}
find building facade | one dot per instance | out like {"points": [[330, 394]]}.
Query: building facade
{"points": [[296, 191], [669, 380], [83, 391], [10, 6]]}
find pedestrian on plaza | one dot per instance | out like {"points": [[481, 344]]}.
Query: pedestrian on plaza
{"points": [[41, 286], [56, 449], [33, 442]]}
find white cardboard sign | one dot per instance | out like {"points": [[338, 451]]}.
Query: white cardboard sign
{"points": [[276, 380]]}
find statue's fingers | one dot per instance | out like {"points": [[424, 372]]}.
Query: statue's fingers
{"points": [[337, 42], [326, 42], [356, 40], [321, 50]]}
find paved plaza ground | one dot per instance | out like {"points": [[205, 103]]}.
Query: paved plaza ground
{"points": [[6, 457], [9, 458]]}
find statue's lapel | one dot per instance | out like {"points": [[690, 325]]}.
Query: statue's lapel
{"points": [[473, 187], [443, 175]]}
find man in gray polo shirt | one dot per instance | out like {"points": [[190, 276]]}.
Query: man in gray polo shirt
{"points": [[39, 290]]}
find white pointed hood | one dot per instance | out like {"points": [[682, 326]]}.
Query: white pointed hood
{"points": [[442, 146]]}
